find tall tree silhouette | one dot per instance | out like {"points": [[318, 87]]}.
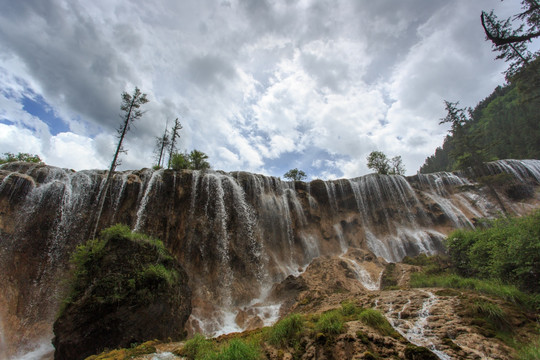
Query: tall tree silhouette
{"points": [[175, 134], [130, 112]]}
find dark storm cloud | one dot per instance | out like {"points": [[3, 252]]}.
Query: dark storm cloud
{"points": [[210, 72], [65, 51]]}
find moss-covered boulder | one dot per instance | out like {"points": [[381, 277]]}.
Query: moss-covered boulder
{"points": [[126, 288]]}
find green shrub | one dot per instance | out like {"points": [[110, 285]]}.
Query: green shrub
{"points": [[507, 251], [330, 323], [10, 157], [287, 331], [376, 320]]}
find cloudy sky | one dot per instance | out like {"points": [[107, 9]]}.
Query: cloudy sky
{"points": [[261, 86]]}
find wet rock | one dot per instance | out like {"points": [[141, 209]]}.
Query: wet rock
{"points": [[126, 289]]}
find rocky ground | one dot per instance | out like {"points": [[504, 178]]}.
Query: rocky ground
{"points": [[441, 320]]}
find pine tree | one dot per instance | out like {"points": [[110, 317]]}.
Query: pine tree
{"points": [[131, 111], [175, 134]]}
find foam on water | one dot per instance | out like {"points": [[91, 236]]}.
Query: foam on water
{"points": [[43, 350]]}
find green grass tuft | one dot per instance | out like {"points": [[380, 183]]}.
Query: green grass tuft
{"points": [[489, 287], [287, 331], [376, 320], [330, 323], [197, 348], [530, 352]]}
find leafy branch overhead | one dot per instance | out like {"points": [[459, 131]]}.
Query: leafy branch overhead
{"points": [[511, 40]]}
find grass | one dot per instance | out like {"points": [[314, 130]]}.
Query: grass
{"points": [[201, 348], [530, 352], [491, 312], [377, 321], [350, 310], [287, 331], [197, 348], [489, 287], [124, 354], [330, 323], [236, 349]]}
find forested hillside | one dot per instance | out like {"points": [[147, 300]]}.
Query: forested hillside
{"points": [[504, 125]]}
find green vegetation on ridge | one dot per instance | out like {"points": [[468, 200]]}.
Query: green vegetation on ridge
{"points": [[505, 125]]}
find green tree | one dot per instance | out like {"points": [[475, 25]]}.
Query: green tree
{"points": [[378, 161], [10, 157], [468, 149], [131, 111], [396, 166], [295, 175], [511, 41], [198, 160], [180, 161]]}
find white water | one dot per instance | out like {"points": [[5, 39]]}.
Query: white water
{"points": [[264, 223], [418, 332], [43, 350], [141, 212], [362, 275]]}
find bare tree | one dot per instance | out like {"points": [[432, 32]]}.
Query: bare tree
{"points": [[175, 134], [131, 111], [161, 143]]}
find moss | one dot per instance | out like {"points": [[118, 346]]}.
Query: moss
{"points": [[360, 335], [148, 347], [369, 356], [413, 352], [389, 278], [451, 344], [112, 282]]}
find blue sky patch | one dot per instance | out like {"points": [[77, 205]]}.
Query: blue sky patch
{"points": [[40, 109]]}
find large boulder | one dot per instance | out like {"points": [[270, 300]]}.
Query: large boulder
{"points": [[126, 288]]}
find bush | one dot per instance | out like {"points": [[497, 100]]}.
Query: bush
{"points": [[330, 323], [287, 331], [9, 157], [507, 251]]}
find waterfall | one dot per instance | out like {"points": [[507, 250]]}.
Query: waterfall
{"points": [[237, 234]]}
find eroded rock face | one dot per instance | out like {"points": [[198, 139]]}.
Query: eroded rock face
{"points": [[124, 291], [236, 234]]}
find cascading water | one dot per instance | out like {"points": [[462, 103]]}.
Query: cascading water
{"points": [[236, 234], [416, 329]]}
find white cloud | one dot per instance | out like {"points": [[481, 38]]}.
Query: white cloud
{"points": [[256, 85]]}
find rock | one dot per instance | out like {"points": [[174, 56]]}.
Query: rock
{"points": [[127, 289]]}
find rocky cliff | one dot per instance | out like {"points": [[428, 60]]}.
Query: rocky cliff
{"points": [[236, 234]]}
